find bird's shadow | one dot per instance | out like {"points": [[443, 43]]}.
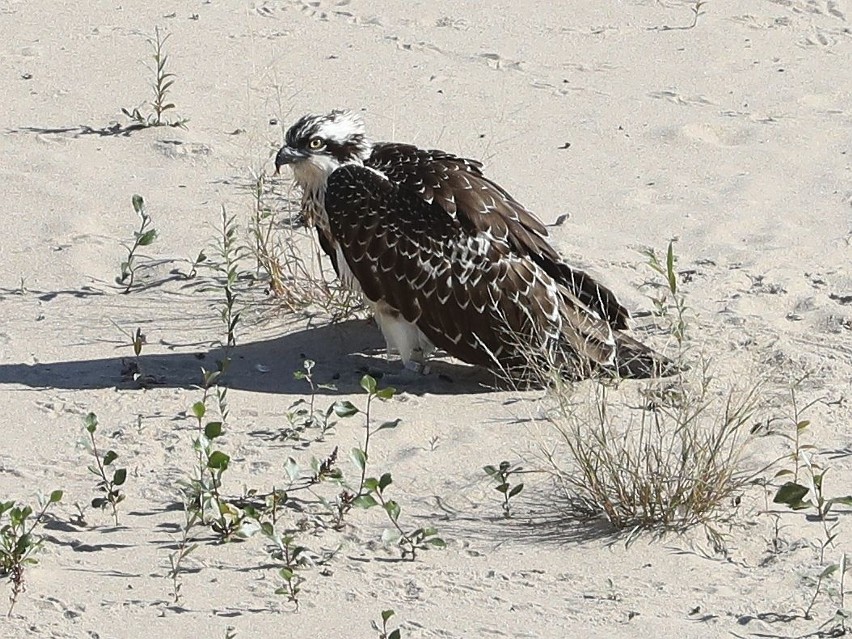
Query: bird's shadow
{"points": [[342, 353]]}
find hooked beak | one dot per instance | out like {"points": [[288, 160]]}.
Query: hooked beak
{"points": [[288, 155]]}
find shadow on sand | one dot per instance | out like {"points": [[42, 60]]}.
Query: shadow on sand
{"points": [[343, 353]]}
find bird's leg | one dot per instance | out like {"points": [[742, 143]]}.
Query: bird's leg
{"points": [[417, 362]]}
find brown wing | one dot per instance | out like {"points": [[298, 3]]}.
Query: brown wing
{"points": [[458, 186], [468, 292]]}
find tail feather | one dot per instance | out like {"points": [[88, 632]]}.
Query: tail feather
{"points": [[634, 360]]}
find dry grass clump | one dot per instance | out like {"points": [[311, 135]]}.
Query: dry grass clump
{"points": [[289, 259], [664, 457], [667, 454]]}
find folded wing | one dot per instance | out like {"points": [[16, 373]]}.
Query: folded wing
{"points": [[467, 288], [482, 207]]}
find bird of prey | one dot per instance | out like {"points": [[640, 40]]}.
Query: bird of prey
{"points": [[448, 259]]}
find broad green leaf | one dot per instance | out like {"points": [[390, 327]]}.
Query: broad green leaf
{"points": [[386, 393], [146, 238], [119, 477], [371, 484], [212, 430], [387, 614], [365, 501], [385, 481], [91, 422], [517, 489], [388, 425], [138, 203], [359, 457], [55, 497], [791, 494], [345, 408], [368, 383], [218, 460], [394, 634], [110, 457], [199, 409], [392, 509]]}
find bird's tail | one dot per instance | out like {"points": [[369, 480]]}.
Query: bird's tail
{"points": [[634, 360]]}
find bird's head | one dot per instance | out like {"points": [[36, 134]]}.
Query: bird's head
{"points": [[316, 145]]}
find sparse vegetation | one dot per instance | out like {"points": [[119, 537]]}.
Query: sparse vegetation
{"points": [[145, 236], [161, 86], [501, 475], [383, 630], [19, 542], [288, 258], [184, 549], [668, 456], [109, 486], [290, 554]]}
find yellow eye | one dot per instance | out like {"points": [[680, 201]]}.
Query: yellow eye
{"points": [[316, 144]]}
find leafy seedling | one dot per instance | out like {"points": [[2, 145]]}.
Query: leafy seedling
{"points": [[163, 81], [109, 486], [291, 554], [382, 629], [19, 542], [409, 543], [501, 475], [145, 236]]}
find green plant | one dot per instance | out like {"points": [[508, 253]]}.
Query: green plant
{"points": [[694, 6], [664, 467], [383, 631], [183, 550], [163, 81], [371, 491], [200, 259], [837, 625], [145, 236], [202, 491], [409, 543], [303, 414], [291, 554], [109, 486], [806, 488], [501, 475], [671, 305], [19, 542], [230, 254]]}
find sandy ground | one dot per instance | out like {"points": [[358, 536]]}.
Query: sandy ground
{"points": [[733, 136]]}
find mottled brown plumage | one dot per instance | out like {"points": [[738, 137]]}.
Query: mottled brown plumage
{"points": [[449, 259]]}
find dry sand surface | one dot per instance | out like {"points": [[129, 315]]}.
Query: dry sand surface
{"points": [[734, 136]]}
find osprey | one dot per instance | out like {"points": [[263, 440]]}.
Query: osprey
{"points": [[448, 259]]}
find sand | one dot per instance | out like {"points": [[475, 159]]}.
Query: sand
{"points": [[732, 136]]}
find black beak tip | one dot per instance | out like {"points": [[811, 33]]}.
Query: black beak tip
{"points": [[287, 155]]}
